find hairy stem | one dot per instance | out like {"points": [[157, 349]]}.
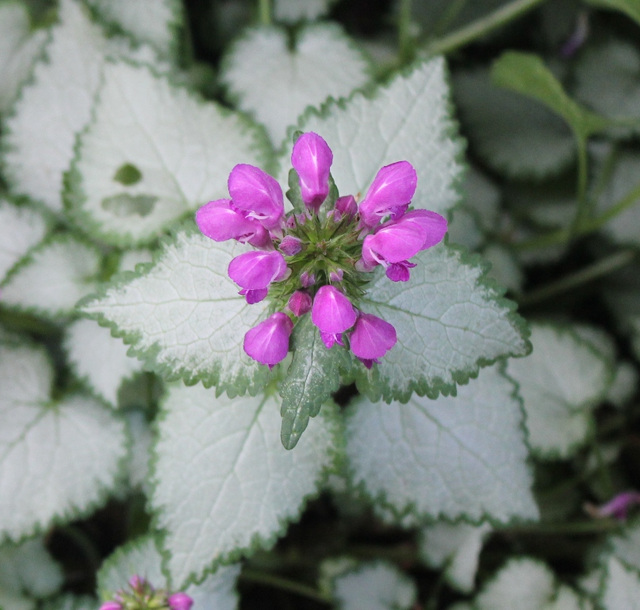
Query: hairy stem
{"points": [[264, 12]]}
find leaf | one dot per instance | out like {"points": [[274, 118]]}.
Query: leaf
{"points": [[629, 7], [454, 547], [180, 148], [624, 546], [223, 483], [275, 83], [450, 457], [608, 80], [561, 382], [623, 178], [37, 146], [450, 321], [55, 275], [157, 23], [527, 584], [313, 375], [21, 228], [143, 557], [66, 453], [375, 586], [514, 135], [621, 587], [99, 359], [29, 568], [407, 118], [292, 11], [183, 316], [140, 432], [526, 74], [19, 48]]}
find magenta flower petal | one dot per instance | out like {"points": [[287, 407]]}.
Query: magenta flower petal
{"points": [[433, 225], [300, 302], [180, 601], [372, 337], [257, 269], [111, 605], [399, 272], [392, 243], [330, 339], [268, 342], [332, 312], [618, 506], [312, 158], [220, 221], [254, 296], [257, 193], [391, 189]]}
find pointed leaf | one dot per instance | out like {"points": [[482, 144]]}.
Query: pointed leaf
{"points": [[561, 382], [67, 454], [99, 359], [276, 83], [454, 547], [407, 119], [156, 23], [223, 483], [451, 457], [19, 48], [449, 319], [314, 374], [152, 153], [184, 316], [375, 586], [142, 557], [513, 134], [621, 587], [38, 146], [21, 228], [55, 275]]}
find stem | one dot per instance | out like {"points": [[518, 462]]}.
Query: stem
{"points": [[583, 212], [588, 274], [405, 41], [264, 12], [482, 26], [285, 585], [589, 226]]}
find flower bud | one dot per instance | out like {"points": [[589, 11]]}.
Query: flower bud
{"points": [[268, 342], [300, 303], [312, 158], [345, 207], [290, 245], [180, 601], [307, 279], [111, 605]]}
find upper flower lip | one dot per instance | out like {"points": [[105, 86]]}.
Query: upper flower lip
{"points": [[312, 159], [257, 193], [257, 269]]}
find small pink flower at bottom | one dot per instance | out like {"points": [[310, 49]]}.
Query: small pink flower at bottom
{"points": [[180, 601], [111, 605], [332, 313], [371, 338], [268, 342], [617, 507]]}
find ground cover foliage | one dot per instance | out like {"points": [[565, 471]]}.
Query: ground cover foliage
{"points": [[489, 459]]}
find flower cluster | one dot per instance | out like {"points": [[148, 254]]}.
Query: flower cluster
{"points": [[142, 596], [318, 257]]}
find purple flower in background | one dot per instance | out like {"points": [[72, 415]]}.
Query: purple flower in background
{"points": [[618, 507], [316, 258]]}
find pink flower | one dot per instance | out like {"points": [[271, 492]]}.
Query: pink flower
{"points": [[396, 241], [312, 158], [390, 193], [220, 221], [268, 342], [300, 303], [371, 338], [180, 601], [254, 271], [257, 193], [617, 507], [111, 605], [332, 313]]}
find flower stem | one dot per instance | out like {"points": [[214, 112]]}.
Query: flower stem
{"points": [[588, 274], [264, 12], [405, 40], [285, 585], [481, 27]]}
